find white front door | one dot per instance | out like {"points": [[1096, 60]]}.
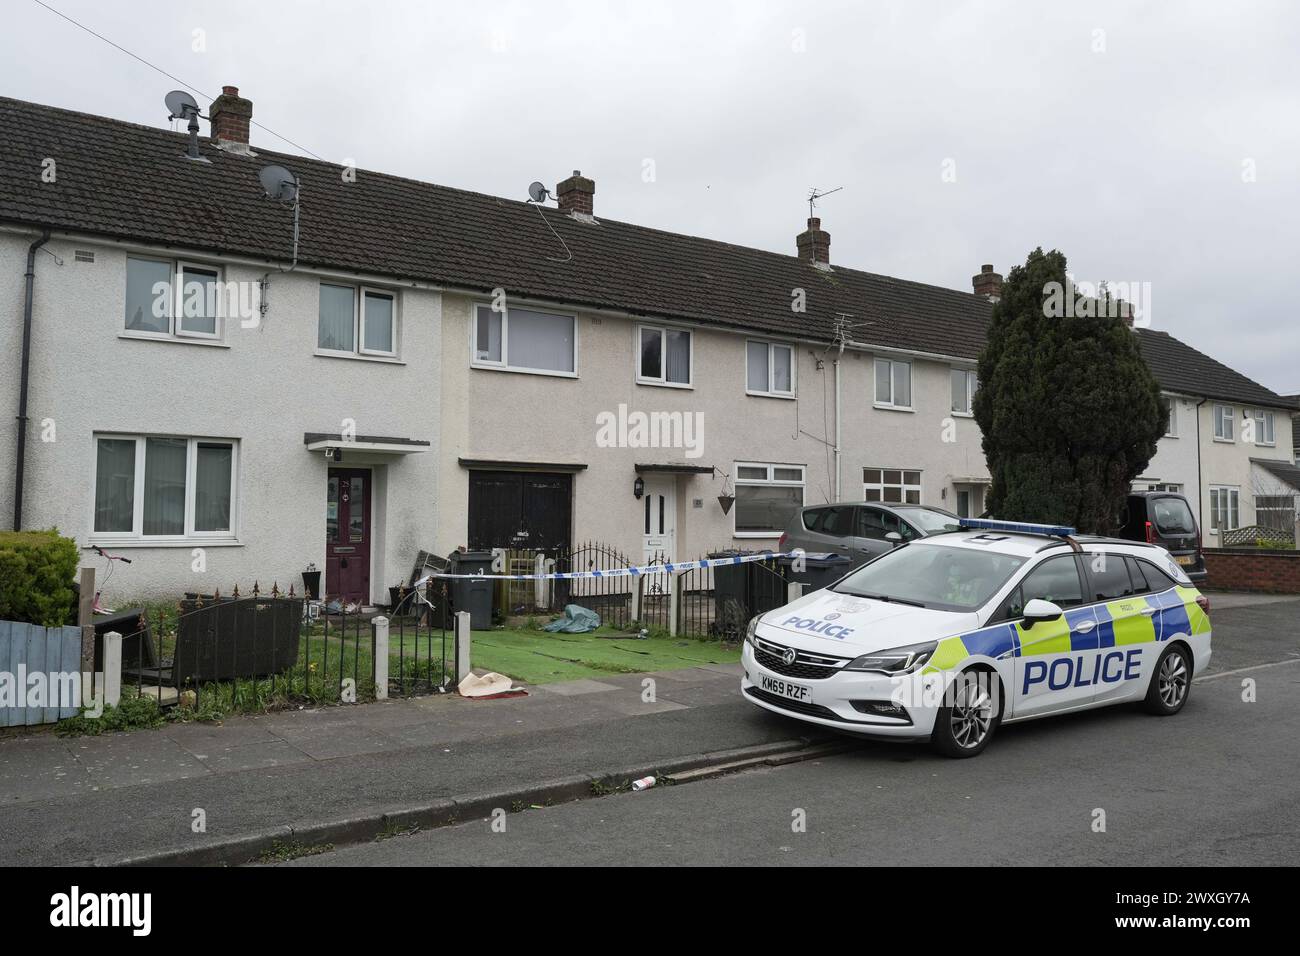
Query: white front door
{"points": [[659, 527]]}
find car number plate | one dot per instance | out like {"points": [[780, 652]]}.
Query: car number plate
{"points": [[783, 688], [1186, 560]]}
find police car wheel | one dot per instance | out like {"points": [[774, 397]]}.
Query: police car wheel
{"points": [[1170, 683], [964, 726]]}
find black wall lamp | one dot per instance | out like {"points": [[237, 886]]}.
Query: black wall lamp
{"points": [[638, 487]]}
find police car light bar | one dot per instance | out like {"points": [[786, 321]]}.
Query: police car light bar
{"points": [[1024, 527]]}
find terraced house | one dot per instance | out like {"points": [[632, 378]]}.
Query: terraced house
{"points": [[221, 384]]}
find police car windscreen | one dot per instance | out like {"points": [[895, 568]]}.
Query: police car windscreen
{"points": [[946, 579]]}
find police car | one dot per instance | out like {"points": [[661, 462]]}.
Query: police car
{"points": [[947, 637]]}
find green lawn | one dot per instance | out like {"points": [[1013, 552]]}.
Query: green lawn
{"points": [[538, 657]]}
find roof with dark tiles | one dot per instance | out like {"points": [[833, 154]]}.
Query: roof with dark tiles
{"points": [[1281, 470], [1180, 368], [129, 181]]}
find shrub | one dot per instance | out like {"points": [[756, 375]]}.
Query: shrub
{"points": [[132, 713], [37, 570], [1271, 544]]}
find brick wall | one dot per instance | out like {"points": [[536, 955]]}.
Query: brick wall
{"points": [[1248, 569]]}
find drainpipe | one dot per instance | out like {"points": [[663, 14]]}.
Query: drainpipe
{"points": [[839, 358], [1200, 494], [21, 445]]}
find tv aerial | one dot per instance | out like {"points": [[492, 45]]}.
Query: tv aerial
{"points": [[537, 192], [281, 185], [180, 105], [814, 195]]}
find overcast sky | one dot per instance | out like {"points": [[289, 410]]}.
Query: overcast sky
{"points": [[1151, 142]]}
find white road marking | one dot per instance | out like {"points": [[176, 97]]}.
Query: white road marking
{"points": [[1244, 670]]}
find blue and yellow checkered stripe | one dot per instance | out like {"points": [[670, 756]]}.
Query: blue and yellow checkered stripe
{"points": [[1118, 624]]}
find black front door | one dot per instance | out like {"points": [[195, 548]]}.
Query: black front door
{"points": [[520, 509]]}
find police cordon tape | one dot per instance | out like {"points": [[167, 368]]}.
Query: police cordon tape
{"points": [[667, 567]]}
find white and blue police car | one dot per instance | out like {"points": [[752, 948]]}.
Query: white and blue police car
{"points": [[947, 637]]}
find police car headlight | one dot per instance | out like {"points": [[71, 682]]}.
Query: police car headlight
{"points": [[896, 660], [753, 627]]}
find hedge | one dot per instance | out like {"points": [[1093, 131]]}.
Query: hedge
{"points": [[37, 571]]}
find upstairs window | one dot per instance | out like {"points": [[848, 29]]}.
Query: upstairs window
{"points": [[1263, 426], [167, 298], [1223, 422], [893, 383], [664, 356], [963, 390], [356, 321], [769, 369], [525, 340]]}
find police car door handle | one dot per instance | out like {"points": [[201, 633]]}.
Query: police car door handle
{"points": [[1083, 627], [1148, 611]]}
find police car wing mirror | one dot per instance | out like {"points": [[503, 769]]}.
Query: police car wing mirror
{"points": [[894, 538], [1038, 611]]}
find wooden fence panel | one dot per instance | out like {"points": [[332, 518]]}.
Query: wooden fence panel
{"points": [[5, 638], [31, 649]]}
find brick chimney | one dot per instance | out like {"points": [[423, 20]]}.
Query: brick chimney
{"points": [[988, 283], [814, 243], [575, 194], [230, 115]]}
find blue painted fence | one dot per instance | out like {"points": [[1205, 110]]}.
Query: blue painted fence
{"points": [[29, 648]]}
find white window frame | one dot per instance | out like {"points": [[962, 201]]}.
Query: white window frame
{"points": [[1171, 423], [771, 369], [504, 365], [359, 293], [1216, 505], [768, 482], [1265, 425], [1229, 418], [390, 294], [662, 380], [902, 485], [893, 378], [175, 323], [136, 535], [1275, 506], [972, 386]]}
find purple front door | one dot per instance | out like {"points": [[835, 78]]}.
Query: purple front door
{"points": [[347, 535]]}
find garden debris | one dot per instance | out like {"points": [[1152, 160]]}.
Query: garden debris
{"points": [[576, 620], [489, 686]]}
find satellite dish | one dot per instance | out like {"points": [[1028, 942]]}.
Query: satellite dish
{"points": [[180, 104], [537, 192], [279, 183]]}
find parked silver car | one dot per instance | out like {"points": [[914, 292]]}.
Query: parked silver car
{"points": [[861, 531]]}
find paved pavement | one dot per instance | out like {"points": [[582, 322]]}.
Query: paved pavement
{"points": [[1223, 600], [1212, 786], [119, 796]]}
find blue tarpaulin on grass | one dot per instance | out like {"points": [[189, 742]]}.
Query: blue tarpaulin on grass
{"points": [[576, 620]]}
